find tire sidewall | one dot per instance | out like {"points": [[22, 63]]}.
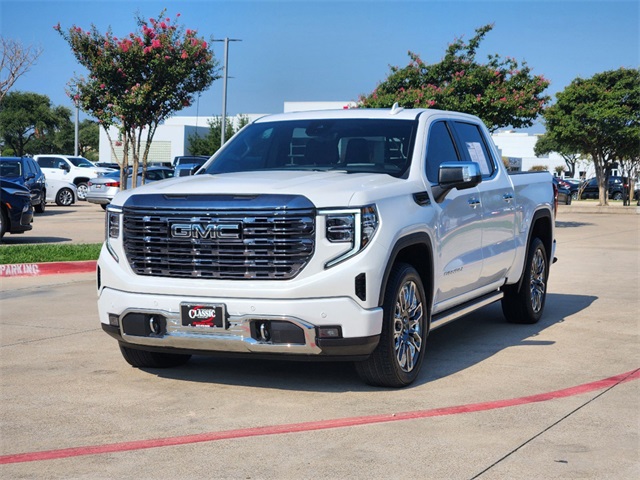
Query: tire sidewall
{"points": [[402, 274], [536, 245]]}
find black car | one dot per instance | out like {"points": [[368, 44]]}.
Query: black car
{"points": [[564, 194], [26, 172], [616, 188], [16, 212]]}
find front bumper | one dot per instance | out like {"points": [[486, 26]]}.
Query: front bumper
{"points": [[297, 325]]}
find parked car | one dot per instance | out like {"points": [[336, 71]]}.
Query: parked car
{"points": [[77, 170], [101, 190], [564, 193], [617, 185], [26, 172], [188, 164], [61, 192], [113, 165], [16, 211]]}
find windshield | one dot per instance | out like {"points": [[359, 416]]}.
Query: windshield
{"points": [[351, 145], [81, 162]]}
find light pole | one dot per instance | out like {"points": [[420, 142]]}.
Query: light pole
{"points": [[224, 86]]}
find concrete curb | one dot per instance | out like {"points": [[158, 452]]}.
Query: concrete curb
{"points": [[48, 268], [597, 209]]}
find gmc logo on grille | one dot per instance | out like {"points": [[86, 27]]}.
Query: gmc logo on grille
{"points": [[222, 231]]}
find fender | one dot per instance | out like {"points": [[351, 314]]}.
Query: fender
{"points": [[546, 239], [424, 265]]}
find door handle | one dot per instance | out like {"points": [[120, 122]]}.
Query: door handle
{"points": [[473, 202], [507, 197]]}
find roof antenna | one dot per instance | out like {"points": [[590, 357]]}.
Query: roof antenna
{"points": [[396, 109]]}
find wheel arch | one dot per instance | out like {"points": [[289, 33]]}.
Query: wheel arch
{"points": [[416, 250], [79, 180]]}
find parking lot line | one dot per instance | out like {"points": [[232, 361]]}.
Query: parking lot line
{"points": [[603, 384]]}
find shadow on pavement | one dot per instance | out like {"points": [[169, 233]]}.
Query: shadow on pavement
{"points": [[450, 349]]}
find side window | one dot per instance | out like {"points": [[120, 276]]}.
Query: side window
{"points": [[476, 146], [46, 162], [439, 150], [28, 169]]}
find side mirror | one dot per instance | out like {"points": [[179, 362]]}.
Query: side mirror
{"points": [[458, 175], [63, 166]]}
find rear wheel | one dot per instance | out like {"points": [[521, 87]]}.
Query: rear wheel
{"points": [[143, 359], [397, 359], [64, 197], [526, 305], [617, 196]]}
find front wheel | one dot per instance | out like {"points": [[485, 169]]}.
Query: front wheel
{"points": [[64, 197], [144, 359], [526, 305], [397, 359], [40, 207], [83, 189]]}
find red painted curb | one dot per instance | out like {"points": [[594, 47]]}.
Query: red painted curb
{"points": [[49, 268], [318, 425]]}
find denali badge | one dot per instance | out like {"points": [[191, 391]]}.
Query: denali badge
{"points": [[223, 231]]}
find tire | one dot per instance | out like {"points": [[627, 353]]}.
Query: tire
{"points": [[4, 222], [568, 202], [574, 196], [526, 305], [397, 359], [143, 359], [83, 188], [617, 196], [40, 207], [64, 197]]}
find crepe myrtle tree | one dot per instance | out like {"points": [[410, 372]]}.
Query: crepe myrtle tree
{"points": [[136, 82], [501, 92]]}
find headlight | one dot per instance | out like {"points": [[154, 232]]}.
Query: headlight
{"points": [[112, 228], [355, 226]]}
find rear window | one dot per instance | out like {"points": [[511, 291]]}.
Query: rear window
{"points": [[351, 145]]}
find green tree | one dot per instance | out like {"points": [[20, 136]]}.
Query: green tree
{"points": [[501, 92], [599, 117], [136, 82], [28, 121], [210, 143], [88, 139], [546, 144]]}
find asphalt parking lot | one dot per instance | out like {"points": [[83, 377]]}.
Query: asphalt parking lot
{"points": [[556, 400]]}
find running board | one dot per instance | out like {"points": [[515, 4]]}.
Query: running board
{"points": [[449, 315]]}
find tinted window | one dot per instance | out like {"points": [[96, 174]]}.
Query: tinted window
{"points": [[351, 145], [439, 150], [10, 169], [48, 162], [475, 145]]}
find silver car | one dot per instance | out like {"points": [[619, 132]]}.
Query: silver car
{"points": [[102, 189]]}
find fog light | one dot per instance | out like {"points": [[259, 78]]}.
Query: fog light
{"points": [[114, 320], [329, 332]]}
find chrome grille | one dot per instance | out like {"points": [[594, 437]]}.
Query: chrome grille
{"points": [[223, 244]]}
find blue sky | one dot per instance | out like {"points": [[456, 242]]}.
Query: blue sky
{"points": [[336, 50]]}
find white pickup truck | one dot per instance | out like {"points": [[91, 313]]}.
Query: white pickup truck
{"points": [[344, 235]]}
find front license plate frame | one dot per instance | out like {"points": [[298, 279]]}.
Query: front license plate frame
{"points": [[203, 315]]}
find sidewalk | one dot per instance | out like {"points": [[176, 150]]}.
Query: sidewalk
{"points": [[615, 208]]}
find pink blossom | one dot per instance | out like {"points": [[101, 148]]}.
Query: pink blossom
{"points": [[177, 15], [204, 44], [102, 86], [189, 32], [163, 25], [155, 43], [57, 27], [184, 54]]}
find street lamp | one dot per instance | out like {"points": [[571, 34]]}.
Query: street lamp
{"points": [[224, 85]]}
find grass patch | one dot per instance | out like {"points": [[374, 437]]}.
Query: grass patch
{"points": [[49, 253]]}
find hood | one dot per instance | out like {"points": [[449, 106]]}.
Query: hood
{"points": [[323, 189]]}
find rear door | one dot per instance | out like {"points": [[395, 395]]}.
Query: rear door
{"points": [[497, 202]]}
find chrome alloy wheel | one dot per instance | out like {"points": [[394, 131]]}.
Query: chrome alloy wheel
{"points": [[407, 329], [538, 280]]}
